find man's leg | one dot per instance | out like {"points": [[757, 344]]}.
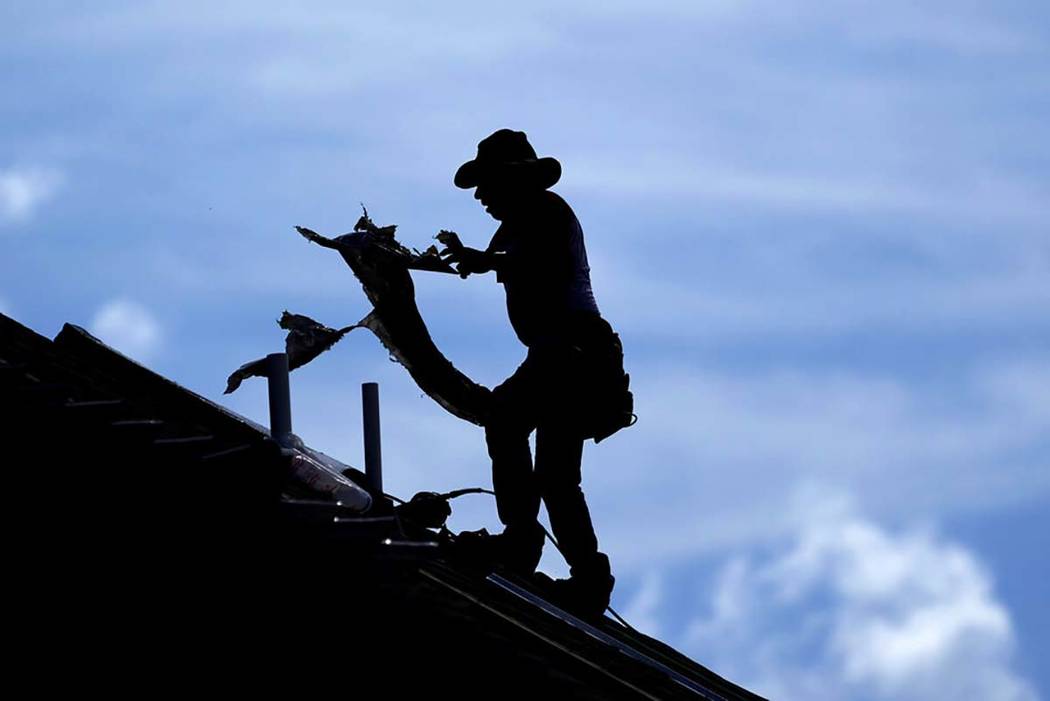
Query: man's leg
{"points": [[517, 496], [513, 481], [559, 453]]}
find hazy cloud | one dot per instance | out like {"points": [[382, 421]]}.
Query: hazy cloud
{"points": [[127, 326], [844, 192], [853, 610], [720, 306], [643, 610], [24, 190]]}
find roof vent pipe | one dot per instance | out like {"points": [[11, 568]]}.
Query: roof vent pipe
{"points": [[373, 450], [280, 399]]}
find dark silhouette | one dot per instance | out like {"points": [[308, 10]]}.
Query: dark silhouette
{"points": [[571, 385]]}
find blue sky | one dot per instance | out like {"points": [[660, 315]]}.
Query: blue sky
{"points": [[821, 230]]}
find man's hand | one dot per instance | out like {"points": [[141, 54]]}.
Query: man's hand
{"points": [[470, 260], [449, 239]]}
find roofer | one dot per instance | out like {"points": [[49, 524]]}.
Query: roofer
{"points": [[571, 385]]}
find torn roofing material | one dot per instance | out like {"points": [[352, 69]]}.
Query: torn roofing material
{"points": [[306, 340], [382, 266]]}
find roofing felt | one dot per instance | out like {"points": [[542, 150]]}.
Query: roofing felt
{"points": [[169, 523]]}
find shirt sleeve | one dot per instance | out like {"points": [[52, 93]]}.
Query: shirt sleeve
{"points": [[498, 244]]}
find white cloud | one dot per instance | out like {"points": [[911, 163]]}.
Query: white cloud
{"points": [[643, 610], [127, 326], [854, 610], [23, 190]]}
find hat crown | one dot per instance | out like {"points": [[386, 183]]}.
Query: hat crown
{"points": [[508, 154], [505, 146]]}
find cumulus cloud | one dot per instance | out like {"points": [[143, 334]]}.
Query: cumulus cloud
{"points": [[23, 190], [850, 609], [127, 326]]}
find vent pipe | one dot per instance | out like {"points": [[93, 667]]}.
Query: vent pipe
{"points": [[373, 450], [280, 399]]}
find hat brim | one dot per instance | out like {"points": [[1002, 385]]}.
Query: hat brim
{"points": [[541, 172]]}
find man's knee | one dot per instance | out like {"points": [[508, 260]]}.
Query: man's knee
{"points": [[559, 482], [559, 454], [502, 436]]}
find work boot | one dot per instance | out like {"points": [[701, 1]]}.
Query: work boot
{"points": [[474, 549], [587, 591], [516, 549], [520, 549]]}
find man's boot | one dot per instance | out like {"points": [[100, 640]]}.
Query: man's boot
{"points": [[520, 548], [594, 585], [517, 549], [477, 550], [587, 591]]}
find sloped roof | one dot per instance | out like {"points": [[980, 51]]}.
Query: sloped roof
{"points": [[169, 523]]}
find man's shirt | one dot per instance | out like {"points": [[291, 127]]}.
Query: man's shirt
{"points": [[544, 272]]}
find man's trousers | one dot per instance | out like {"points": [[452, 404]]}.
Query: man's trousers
{"points": [[549, 393]]}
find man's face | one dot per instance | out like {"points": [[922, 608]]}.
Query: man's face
{"points": [[497, 198]]}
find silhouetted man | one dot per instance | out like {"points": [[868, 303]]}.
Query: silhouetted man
{"points": [[571, 378]]}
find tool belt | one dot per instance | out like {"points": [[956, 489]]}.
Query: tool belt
{"points": [[608, 403], [574, 378]]}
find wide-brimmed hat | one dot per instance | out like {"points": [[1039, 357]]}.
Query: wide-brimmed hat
{"points": [[507, 153]]}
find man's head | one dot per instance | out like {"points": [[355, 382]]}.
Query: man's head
{"points": [[507, 172]]}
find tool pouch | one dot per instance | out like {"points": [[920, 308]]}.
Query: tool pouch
{"points": [[610, 402], [617, 414]]}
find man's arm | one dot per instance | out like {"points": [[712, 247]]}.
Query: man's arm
{"points": [[470, 260]]}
